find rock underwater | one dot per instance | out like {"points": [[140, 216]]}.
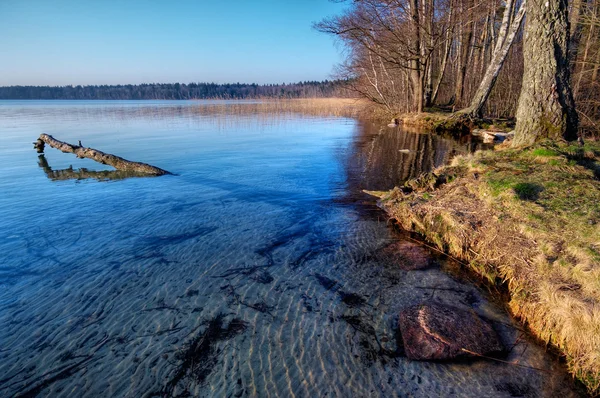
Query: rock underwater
{"points": [[436, 332]]}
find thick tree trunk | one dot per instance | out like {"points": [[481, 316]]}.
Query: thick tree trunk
{"points": [[101, 157], [506, 37], [546, 108]]}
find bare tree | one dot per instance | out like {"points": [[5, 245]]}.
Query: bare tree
{"points": [[409, 55], [399, 37], [506, 35]]}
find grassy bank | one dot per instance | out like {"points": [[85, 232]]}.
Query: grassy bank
{"points": [[527, 219], [436, 121], [452, 123]]}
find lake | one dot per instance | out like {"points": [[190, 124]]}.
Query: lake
{"points": [[258, 269]]}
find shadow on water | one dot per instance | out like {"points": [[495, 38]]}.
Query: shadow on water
{"points": [[83, 173]]}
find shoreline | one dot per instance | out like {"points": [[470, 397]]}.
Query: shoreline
{"points": [[525, 220]]}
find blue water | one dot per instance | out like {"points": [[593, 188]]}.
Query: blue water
{"points": [[257, 269]]}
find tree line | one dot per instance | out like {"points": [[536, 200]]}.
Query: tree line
{"points": [[178, 91], [476, 57]]}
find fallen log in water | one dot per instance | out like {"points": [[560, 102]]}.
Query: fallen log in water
{"points": [[83, 173], [105, 158]]}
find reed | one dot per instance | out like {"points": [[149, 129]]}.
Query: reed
{"points": [[337, 107]]}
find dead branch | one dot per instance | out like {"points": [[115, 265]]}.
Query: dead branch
{"points": [[105, 158]]}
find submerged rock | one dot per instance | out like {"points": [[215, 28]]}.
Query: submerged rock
{"points": [[407, 255], [435, 331]]}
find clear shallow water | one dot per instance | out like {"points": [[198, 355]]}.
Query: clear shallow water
{"points": [[259, 269]]}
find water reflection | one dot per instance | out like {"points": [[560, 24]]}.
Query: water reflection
{"points": [[83, 173], [380, 158], [384, 158]]}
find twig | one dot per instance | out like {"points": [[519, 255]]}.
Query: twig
{"points": [[506, 362]]}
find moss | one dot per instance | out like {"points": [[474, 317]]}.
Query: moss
{"points": [[549, 129]]}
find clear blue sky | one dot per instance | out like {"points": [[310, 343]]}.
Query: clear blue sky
{"points": [[59, 42]]}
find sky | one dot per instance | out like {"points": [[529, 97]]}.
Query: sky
{"points": [[71, 42]]}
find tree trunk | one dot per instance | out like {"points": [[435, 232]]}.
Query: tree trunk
{"points": [[575, 27], [546, 108], [415, 63], [447, 48], [105, 158], [428, 96], [591, 38], [465, 49], [596, 66], [505, 40]]}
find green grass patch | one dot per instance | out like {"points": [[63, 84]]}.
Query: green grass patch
{"points": [[499, 184], [555, 162], [527, 190]]}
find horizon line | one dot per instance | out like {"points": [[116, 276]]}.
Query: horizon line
{"points": [[172, 83]]}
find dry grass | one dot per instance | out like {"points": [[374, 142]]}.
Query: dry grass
{"points": [[529, 219], [338, 107], [427, 120], [452, 123]]}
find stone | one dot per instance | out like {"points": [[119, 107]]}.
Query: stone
{"points": [[407, 255], [438, 332]]}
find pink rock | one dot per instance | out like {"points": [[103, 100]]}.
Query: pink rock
{"points": [[435, 331]]}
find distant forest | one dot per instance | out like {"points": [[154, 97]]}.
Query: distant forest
{"points": [[178, 91]]}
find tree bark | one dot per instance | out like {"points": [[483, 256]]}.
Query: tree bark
{"points": [[506, 37], [105, 158], [546, 107]]}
